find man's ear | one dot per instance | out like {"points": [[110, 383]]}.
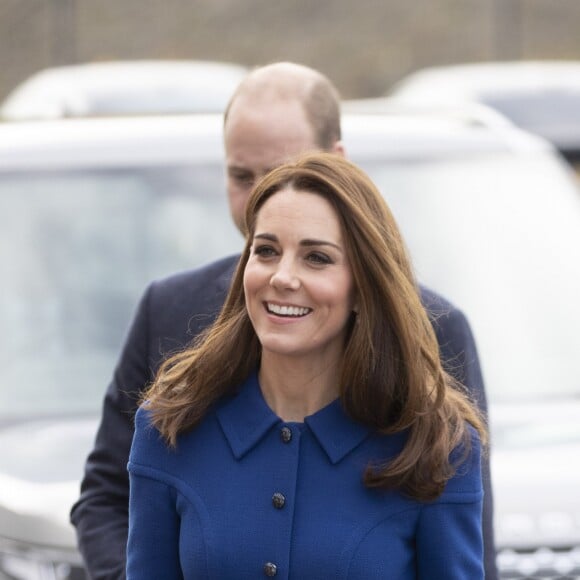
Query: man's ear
{"points": [[339, 148]]}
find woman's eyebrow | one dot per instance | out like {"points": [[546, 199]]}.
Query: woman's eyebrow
{"points": [[309, 242], [270, 237], [313, 242]]}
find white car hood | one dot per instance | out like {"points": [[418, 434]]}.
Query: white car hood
{"points": [[41, 465], [535, 466]]}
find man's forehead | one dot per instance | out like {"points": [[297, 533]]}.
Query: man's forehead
{"points": [[264, 112], [257, 166], [266, 98], [263, 143]]}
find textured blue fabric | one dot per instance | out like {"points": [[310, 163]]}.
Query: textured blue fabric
{"points": [[205, 510]]}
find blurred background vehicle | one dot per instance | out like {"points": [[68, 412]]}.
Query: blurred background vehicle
{"points": [[467, 112], [387, 40], [476, 209], [123, 88], [542, 97], [91, 210]]}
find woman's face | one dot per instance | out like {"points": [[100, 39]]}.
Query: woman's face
{"points": [[298, 282]]}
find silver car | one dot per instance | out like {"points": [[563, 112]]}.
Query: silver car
{"points": [[90, 211], [542, 96], [133, 87]]}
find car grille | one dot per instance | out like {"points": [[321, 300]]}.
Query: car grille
{"points": [[20, 561], [540, 564]]}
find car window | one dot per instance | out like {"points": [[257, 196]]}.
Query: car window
{"points": [[548, 110], [77, 249], [499, 235]]}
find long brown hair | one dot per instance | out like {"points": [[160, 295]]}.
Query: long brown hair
{"points": [[391, 377]]}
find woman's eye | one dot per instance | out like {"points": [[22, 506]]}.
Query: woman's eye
{"points": [[319, 258], [264, 251]]}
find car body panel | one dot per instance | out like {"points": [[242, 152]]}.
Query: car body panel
{"points": [[487, 241], [140, 87]]}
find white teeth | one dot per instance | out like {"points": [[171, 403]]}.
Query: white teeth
{"points": [[287, 310]]}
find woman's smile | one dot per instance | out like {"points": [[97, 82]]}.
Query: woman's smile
{"points": [[287, 311]]}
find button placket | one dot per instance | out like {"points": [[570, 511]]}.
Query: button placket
{"points": [[287, 447], [279, 499]]}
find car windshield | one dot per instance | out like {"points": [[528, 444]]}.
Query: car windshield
{"points": [[499, 236], [76, 251]]}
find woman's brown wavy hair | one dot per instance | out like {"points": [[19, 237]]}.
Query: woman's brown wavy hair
{"points": [[391, 377]]}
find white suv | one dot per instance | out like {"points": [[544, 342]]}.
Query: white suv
{"points": [[90, 211]]}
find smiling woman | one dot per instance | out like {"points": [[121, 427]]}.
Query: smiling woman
{"points": [[321, 372], [299, 296]]}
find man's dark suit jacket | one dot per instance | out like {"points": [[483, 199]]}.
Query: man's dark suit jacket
{"points": [[171, 313]]}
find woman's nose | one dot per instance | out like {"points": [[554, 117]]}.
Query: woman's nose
{"points": [[285, 276]]}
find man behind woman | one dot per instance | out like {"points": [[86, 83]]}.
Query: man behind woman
{"points": [[311, 431]]}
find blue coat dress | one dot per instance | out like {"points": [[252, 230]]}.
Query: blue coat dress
{"points": [[245, 495]]}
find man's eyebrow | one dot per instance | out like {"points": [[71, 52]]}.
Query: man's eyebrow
{"points": [[307, 242], [237, 169]]}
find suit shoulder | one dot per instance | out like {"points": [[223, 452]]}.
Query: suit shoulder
{"points": [[434, 302], [440, 308], [189, 281]]}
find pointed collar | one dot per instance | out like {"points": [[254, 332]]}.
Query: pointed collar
{"points": [[336, 433], [246, 418]]}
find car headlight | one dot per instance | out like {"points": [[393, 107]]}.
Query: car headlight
{"points": [[540, 545], [540, 563], [26, 562]]}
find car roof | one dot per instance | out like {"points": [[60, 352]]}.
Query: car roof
{"points": [[198, 138], [124, 87], [469, 80], [110, 141], [542, 97], [468, 113]]}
